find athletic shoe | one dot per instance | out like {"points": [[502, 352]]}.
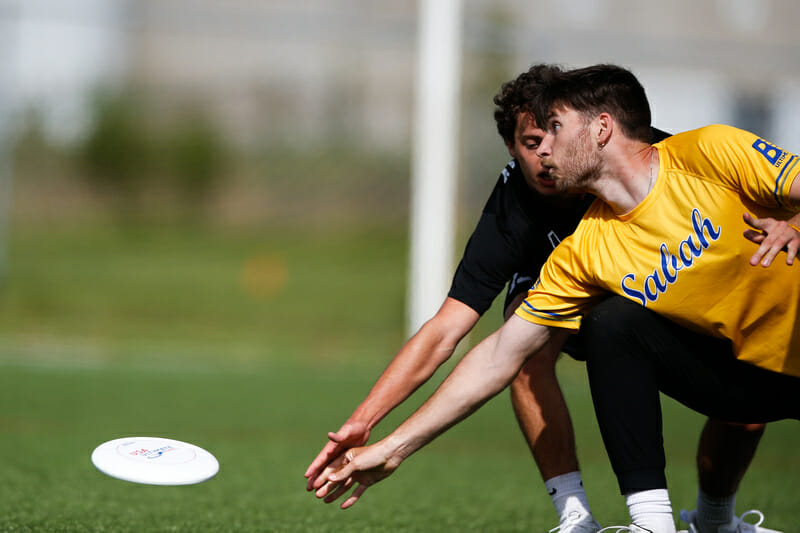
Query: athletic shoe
{"points": [[633, 528], [737, 525], [577, 522]]}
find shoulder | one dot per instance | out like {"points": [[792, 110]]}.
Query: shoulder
{"points": [[509, 175], [507, 189], [710, 145], [710, 136], [511, 169]]}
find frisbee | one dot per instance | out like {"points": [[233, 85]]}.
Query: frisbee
{"points": [[155, 461]]}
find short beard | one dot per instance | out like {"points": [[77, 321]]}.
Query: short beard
{"points": [[582, 164]]}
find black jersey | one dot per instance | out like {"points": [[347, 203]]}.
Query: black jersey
{"points": [[515, 235]]}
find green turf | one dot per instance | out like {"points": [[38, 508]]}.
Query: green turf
{"points": [[152, 333]]}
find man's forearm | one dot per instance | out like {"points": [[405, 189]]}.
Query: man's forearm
{"points": [[485, 371], [404, 375], [416, 362]]}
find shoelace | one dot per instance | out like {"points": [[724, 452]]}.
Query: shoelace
{"points": [[686, 517], [755, 512], [615, 529]]}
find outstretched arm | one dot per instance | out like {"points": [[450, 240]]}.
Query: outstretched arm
{"points": [[482, 373], [774, 236], [413, 365]]}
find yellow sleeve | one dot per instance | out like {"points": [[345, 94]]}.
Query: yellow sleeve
{"points": [[563, 292]]}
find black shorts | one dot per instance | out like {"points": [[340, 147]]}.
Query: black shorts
{"points": [[631, 344]]}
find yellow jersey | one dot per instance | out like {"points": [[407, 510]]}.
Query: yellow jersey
{"points": [[681, 251]]}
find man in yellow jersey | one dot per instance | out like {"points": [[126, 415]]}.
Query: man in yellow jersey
{"points": [[666, 234]]}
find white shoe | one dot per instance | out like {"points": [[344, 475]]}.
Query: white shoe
{"points": [[577, 522], [737, 525]]}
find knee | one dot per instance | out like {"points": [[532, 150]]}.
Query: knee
{"points": [[752, 430], [728, 430]]}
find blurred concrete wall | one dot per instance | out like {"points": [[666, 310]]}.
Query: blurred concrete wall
{"points": [[316, 69], [312, 70]]}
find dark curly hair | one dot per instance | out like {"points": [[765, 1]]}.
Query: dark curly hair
{"points": [[598, 89], [522, 95]]}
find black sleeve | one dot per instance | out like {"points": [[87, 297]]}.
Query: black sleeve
{"points": [[487, 264], [491, 255]]}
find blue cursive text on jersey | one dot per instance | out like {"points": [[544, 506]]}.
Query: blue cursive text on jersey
{"points": [[666, 273]]}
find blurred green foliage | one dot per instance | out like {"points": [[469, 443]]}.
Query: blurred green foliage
{"points": [[137, 164], [116, 150], [196, 155], [124, 154]]}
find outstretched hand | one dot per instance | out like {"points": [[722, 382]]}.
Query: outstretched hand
{"points": [[350, 435], [772, 236], [364, 466]]}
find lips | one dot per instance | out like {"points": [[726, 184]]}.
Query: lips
{"points": [[546, 179]]}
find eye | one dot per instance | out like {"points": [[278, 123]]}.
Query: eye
{"points": [[532, 145]]}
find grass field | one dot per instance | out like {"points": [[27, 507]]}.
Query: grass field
{"points": [[253, 346]]}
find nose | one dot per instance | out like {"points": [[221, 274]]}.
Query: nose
{"points": [[545, 146]]}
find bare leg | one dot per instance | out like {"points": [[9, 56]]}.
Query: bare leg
{"points": [[544, 419], [542, 412], [724, 454], [543, 416]]}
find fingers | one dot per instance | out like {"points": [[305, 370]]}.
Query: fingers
{"points": [[322, 458], [329, 452], [349, 502], [773, 237], [350, 434], [327, 473], [754, 236], [791, 251], [339, 489], [340, 436], [752, 221], [343, 472], [333, 489], [765, 255], [757, 235]]}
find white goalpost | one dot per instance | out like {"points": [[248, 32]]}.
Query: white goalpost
{"points": [[9, 16], [435, 155]]}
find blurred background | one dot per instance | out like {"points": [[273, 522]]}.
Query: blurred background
{"points": [[167, 159], [206, 234]]}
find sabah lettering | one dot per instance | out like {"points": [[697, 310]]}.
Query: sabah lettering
{"points": [[670, 265]]}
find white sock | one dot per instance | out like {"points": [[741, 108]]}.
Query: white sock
{"points": [[651, 510], [568, 495], [714, 511]]}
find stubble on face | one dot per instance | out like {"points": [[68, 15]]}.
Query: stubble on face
{"points": [[580, 163]]}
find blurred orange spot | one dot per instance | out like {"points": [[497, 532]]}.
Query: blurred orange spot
{"points": [[264, 275]]}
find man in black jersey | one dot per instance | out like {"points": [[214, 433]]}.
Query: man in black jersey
{"points": [[523, 220]]}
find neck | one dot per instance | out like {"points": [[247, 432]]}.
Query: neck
{"points": [[627, 176]]}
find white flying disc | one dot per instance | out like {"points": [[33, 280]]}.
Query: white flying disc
{"points": [[155, 461]]}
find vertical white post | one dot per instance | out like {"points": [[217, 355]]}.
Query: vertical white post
{"points": [[9, 20], [435, 155]]}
